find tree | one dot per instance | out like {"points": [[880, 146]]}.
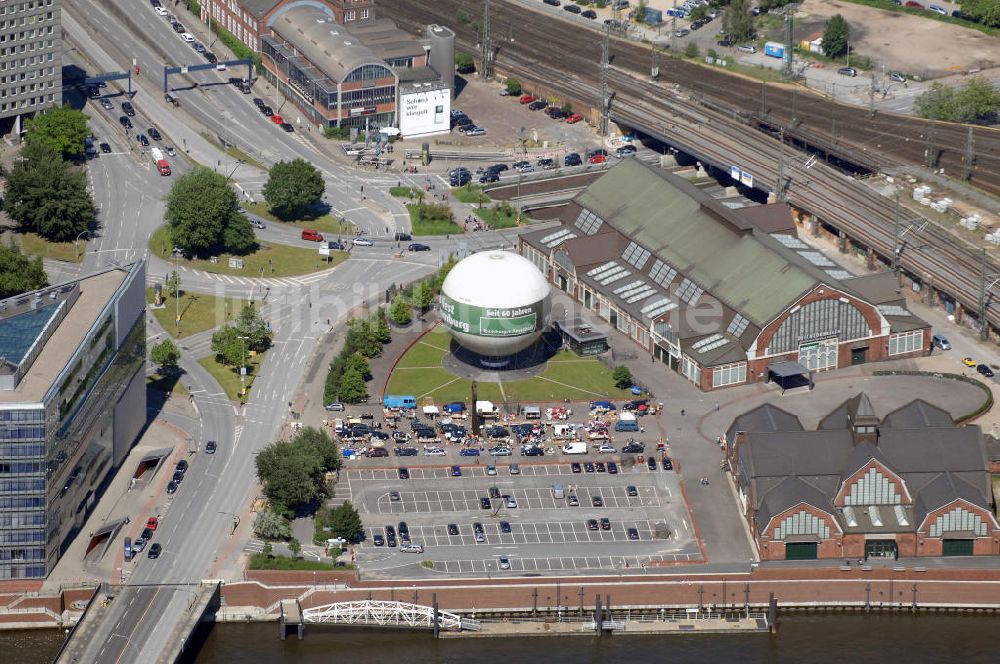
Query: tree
{"points": [[443, 272], [977, 101], [295, 547], [19, 273], [464, 63], [986, 12], [937, 103], [320, 446], [165, 356], [62, 129], [622, 377], [352, 387], [691, 50], [173, 284], [836, 37], [738, 21], [640, 11], [47, 195], [290, 474], [292, 187], [382, 331], [251, 325], [269, 525], [361, 338], [229, 349], [400, 311], [513, 87], [423, 295], [200, 207], [238, 236], [698, 12], [358, 363], [346, 522]]}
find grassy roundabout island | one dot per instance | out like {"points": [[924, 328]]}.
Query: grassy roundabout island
{"points": [[420, 372], [276, 260]]}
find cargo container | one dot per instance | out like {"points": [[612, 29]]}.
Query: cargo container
{"points": [[774, 49]]}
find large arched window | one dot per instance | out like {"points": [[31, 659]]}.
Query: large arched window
{"points": [[368, 73]]}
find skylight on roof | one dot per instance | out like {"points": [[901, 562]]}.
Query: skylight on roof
{"points": [[560, 236], [662, 273], [710, 343], [588, 222], [658, 307], [893, 310], [901, 515], [635, 255], [689, 292], [612, 275], [737, 326]]}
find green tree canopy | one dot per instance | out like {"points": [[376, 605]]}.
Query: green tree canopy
{"points": [[361, 338], [201, 207], [464, 62], [382, 331], [270, 525], [738, 21], [229, 349], [976, 101], [986, 12], [400, 311], [47, 195], [836, 37], [513, 86], [165, 355], [352, 386], [19, 273], [293, 187], [291, 475], [318, 443], [61, 128], [423, 295], [250, 324], [622, 377], [173, 283], [346, 522], [358, 363]]}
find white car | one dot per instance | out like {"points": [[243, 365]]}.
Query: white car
{"points": [[160, 11], [434, 451], [937, 9], [606, 448], [362, 242], [188, 37]]}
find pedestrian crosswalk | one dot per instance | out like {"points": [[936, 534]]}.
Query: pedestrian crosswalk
{"points": [[287, 282]]}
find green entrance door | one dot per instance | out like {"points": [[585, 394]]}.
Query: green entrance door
{"points": [[801, 551], [957, 547]]}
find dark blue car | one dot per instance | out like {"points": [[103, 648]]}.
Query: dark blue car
{"points": [[469, 451]]}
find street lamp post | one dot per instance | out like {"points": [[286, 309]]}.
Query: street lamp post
{"points": [[236, 522], [87, 232], [243, 364]]}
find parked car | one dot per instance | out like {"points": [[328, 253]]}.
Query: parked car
{"points": [[573, 9], [897, 77], [378, 540], [546, 163], [598, 159], [848, 71], [633, 534], [473, 130], [605, 524], [572, 159], [537, 105], [155, 551], [969, 362], [469, 451], [171, 487], [277, 119], [212, 58], [128, 109], [362, 242], [573, 118], [985, 370], [745, 48], [211, 447], [589, 13], [681, 32], [527, 99], [725, 43], [334, 406], [105, 148], [187, 37], [312, 236], [523, 166], [592, 524], [416, 246], [913, 5], [625, 151], [597, 501]]}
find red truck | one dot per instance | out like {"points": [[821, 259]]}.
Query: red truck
{"points": [[162, 164]]}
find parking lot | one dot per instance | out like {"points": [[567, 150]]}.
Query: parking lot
{"points": [[540, 532]]}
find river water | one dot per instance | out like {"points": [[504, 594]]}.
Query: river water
{"points": [[815, 639]]}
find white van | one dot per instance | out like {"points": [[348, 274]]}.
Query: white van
{"points": [[563, 431], [410, 547], [574, 448]]}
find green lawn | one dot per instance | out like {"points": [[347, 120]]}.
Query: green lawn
{"points": [[199, 312], [324, 223], [437, 226], [234, 152], [35, 245], [171, 384], [567, 376], [270, 260], [472, 194], [496, 217], [229, 377], [403, 192]]}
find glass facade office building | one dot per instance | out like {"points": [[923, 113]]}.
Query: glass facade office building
{"points": [[72, 402]]}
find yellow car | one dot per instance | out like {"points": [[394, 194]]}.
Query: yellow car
{"points": [[968, 361]]}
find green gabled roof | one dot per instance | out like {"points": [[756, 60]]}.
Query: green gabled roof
{"points": [[703, 240]]}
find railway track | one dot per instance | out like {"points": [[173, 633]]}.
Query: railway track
{"points": [[886, 140]]}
